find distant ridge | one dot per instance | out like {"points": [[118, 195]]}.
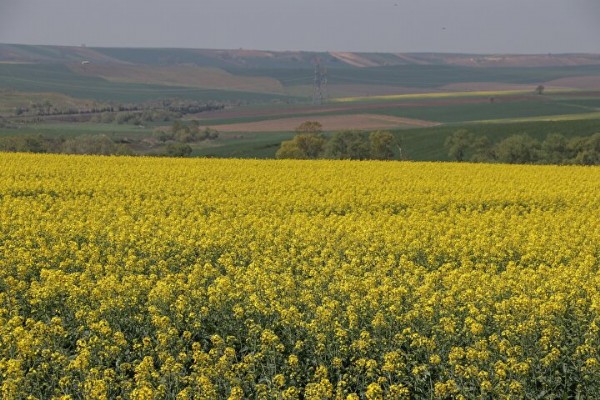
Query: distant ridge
{"points": [[242, 58]]}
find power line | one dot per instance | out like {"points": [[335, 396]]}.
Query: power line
{"points": [[320, 83]]}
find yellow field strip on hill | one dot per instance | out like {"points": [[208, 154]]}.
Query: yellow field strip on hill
{"points": [[442, 95], [545, 118]]}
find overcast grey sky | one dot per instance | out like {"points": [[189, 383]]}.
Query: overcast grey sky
{"points": [[476, 26]]}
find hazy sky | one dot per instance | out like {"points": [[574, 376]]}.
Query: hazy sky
{"points": [[478, 26]]}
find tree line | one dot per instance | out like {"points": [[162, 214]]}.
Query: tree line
{"points": [[173, 142], [310, 143], [83, 144], [136, 113], [463, 145], [88, 144]]}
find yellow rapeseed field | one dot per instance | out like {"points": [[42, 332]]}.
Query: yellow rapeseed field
{"points": [[445, 95], [146, 278]]}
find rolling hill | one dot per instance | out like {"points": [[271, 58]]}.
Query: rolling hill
{"points": [[255, 76], [279, 59], [423, 97]]}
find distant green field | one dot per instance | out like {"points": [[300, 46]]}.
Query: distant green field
{"points": [[593, 103], [454, 113], [445, 108], [419, 76], [60, 79], [430, 76], [427, 144], [418, 144], [255, 145], [575, 112]]}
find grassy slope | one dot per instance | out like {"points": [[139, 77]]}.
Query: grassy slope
{"points": [[295, 69], [158, 56], [427, 144], [482, 111], [445, 111], [58, 78], [209, 58], [418, 144], [575, 116], [56, 129], [420, 76], [179, 75], [254, 145]]}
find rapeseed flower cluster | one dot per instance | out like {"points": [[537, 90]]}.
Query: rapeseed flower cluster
{"points": [[136, 278]]}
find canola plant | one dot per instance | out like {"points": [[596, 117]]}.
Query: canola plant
{"points": [[145, 278]]}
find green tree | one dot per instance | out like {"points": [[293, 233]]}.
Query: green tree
{"points": [[107, 117], [555, 149], [209, 133], [289, 149], [482, 150], [178, 150], [459, 144], [90, 144], [540, 90], [182, 132], [518, 149], [587, 150], [27, 143], [307, 144], [350, 144], [309, 127], [164, 135], [310, 144], [381, 145], [303, 146]]}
